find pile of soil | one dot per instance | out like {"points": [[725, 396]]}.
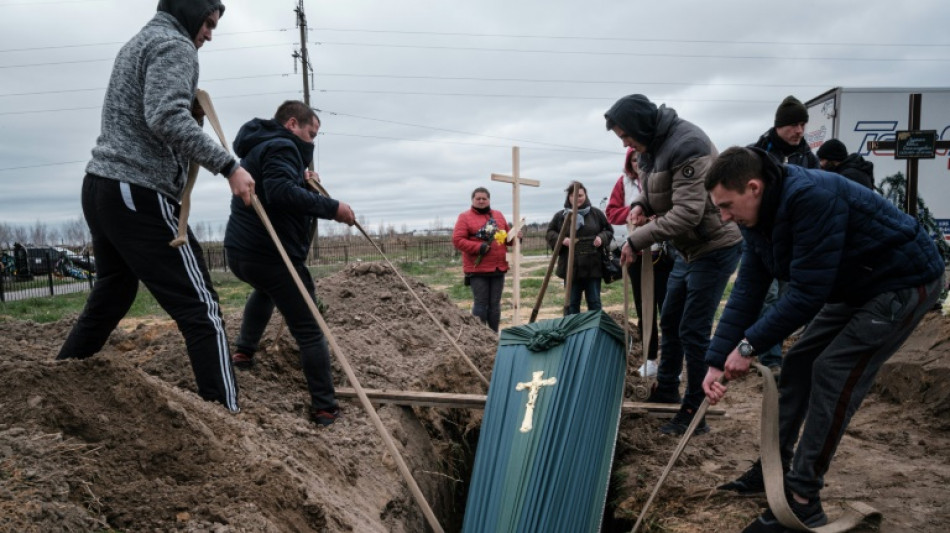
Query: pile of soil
{"points": [[121, 441]]}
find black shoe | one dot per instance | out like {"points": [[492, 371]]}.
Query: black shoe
{"points": [[242, 360], [811, 514], [663, 396], [680, 422], [751, 482], [325, 417]]}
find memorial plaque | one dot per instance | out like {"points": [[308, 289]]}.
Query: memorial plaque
{"points": [[919, 144]]}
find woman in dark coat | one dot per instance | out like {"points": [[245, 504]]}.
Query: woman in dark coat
{"points": [[593, 233]]}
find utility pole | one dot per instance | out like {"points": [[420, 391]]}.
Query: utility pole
{"points": [[307, 72]]}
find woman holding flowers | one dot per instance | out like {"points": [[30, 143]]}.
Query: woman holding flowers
{"points": [[481, 236], [593, 233]]}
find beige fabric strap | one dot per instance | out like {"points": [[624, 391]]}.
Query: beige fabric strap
{"points": [[647, 300], [854, 513]]}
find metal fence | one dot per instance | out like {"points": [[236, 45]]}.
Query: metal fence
{"points": [[44, 274], [329, 255]]}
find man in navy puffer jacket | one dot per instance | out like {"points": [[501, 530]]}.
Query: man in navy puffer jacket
{"points": [[866, 272]]}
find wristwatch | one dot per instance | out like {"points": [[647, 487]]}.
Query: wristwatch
{"points": [[745, 349]]}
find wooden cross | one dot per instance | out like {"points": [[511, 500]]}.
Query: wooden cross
{"points": [[533, 387], [913, 124], [516, 182]]}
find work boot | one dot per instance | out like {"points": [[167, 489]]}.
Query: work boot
{"points": [[242, 360], [680, 423], [811, 514]]}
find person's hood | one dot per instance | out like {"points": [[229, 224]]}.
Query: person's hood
{"points": [[261, 130], [637, 117], [191, 13], [855, 161], [774, 175]]}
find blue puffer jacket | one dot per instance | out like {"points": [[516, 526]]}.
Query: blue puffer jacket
{"points": [[833, 241]]}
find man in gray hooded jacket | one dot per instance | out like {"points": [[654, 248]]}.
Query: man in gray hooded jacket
{"points": [[674, 206], [133, 187]]}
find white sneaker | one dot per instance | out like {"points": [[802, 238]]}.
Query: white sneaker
{"points": [[648, 369]]}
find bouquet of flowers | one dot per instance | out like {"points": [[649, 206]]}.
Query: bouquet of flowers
{"points": [[487, 233]]}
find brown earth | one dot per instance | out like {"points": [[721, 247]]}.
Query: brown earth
{"points": [[122, 442]]}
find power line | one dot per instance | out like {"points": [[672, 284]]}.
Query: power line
{"points": [[113, 43], [571, 148], [62, 91], [583, 151], [538, 96], [4, 169], [596, 82], [635, 54], [633, 39]]}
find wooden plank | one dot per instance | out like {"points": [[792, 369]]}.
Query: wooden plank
{"points": [[477, 401]]}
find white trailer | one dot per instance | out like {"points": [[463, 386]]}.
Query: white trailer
{"points": [[855, 116]]}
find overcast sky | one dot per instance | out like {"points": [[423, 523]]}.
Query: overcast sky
{"points": [[422, 101]]}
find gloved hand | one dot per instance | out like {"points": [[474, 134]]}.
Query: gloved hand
{"points": [[483, 249]]}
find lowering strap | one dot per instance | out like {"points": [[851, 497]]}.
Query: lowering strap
{"points": [[854, 512]]}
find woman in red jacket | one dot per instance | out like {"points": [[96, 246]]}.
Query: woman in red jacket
{"points": [[627, 188], [478, 237]]}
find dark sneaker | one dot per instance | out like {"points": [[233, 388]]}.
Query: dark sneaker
{"points": [[325, 417], [242, 360], [751, 482], [811, 514], [663, 396], [680, 422]]}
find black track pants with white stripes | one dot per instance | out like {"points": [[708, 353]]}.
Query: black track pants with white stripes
{"points": [[131, 227]]}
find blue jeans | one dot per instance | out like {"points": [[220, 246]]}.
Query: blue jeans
{"points": [[693, 293], [591, 289]]}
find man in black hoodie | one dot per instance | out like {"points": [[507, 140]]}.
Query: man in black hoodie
{"points": [[278, 151], [833, 156]]}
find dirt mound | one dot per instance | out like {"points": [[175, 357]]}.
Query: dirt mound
{"points": [[122, 441]]}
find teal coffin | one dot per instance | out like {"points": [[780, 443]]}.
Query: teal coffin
{"points": [[551, 418]]}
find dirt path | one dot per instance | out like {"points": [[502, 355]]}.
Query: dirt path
{"points": [[122, 442]]}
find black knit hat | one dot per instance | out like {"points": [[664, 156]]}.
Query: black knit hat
{"points": [[833, 150], [790, 111]]}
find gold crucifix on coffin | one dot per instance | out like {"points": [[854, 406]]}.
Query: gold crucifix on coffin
{"points": [[533, 386]]}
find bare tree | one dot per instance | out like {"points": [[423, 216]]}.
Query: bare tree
{"points": [[39, 233]]}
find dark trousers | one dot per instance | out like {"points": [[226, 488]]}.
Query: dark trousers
{"points": [[486, 293], [131, 227], [829, 371], [693, 293], [274, 286], [661, 273], [590, 289]]}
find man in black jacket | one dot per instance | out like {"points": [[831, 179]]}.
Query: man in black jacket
{"points": [[785, 141], [279, 151], [833, 156]]}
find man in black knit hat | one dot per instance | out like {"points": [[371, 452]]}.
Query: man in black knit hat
{"points": [[833, 156], [785, 141]]}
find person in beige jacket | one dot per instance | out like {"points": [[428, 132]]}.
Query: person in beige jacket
{"points": [[674, 156]]}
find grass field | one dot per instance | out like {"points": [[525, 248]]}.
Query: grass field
{"points": [[440, 274]]}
